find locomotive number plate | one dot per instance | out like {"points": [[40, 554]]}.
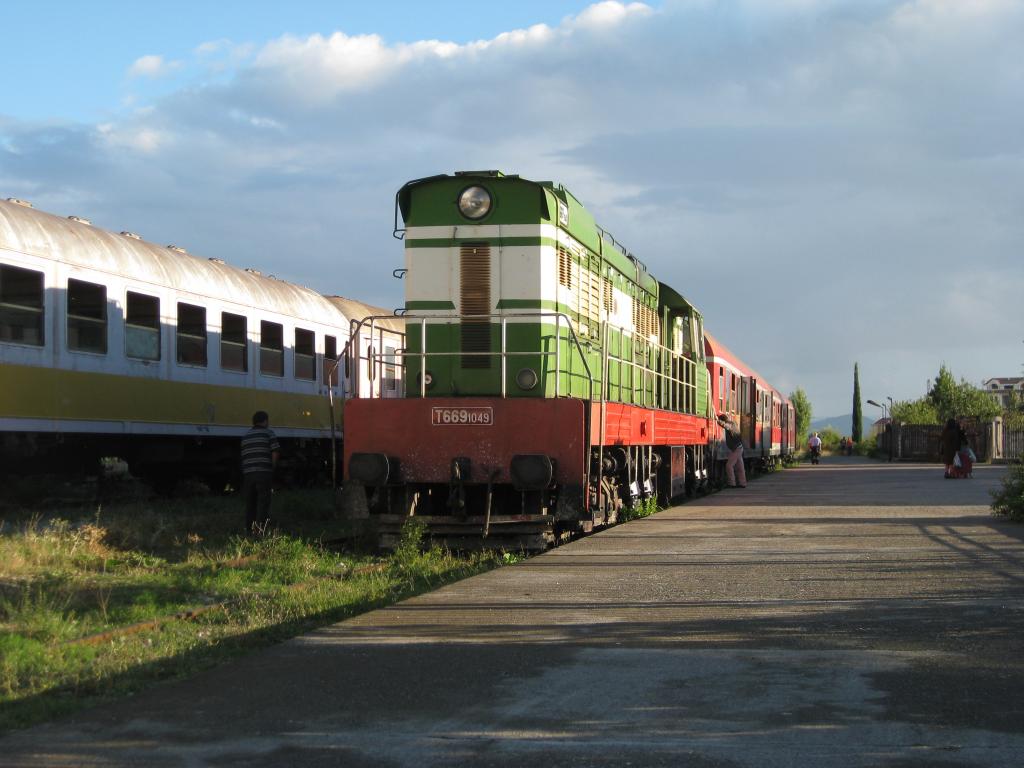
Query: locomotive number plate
{"points": [[481, 416]]}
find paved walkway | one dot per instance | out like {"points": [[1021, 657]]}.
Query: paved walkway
{"points": [[849, 614]]}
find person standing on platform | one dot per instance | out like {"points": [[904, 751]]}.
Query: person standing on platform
{"points": [[260, 450], [949, 443], [735, 472]]}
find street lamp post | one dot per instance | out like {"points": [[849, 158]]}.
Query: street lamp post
{"points": [[888, 422], [892, 429]]}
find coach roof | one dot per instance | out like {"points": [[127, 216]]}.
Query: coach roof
{"points": [[37, 233]]}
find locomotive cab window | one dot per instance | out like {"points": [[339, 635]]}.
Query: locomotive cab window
{"points": [[330, 360], [271, 349], [688, 336], [87, 317], [234, 348], [305, 354], [390, 368], [191, 334], [142, 327], [21, 306]]}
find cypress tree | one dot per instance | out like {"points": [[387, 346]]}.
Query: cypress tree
{"points": [[858, 420], [804, 414]]}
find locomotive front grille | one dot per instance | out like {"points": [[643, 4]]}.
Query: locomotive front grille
{"points": [[475, 303]]}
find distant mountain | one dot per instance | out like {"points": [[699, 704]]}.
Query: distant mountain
{"points": [[843, 424]]}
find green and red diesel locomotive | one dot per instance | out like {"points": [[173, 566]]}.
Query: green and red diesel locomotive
{"points": [[550, 380]]}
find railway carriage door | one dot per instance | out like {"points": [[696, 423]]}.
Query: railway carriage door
{"points": [[785, 429], [766, 421], [748, 422]]}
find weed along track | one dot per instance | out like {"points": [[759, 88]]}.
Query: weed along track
{"points": [[100, 602], [191, 614]]}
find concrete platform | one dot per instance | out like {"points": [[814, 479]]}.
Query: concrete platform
{"points": [[849, 614]]}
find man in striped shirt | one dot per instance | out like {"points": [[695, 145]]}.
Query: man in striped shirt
{"points": [[260, 450]]}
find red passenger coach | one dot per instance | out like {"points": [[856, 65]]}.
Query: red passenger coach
{"points": [[766, 418]]}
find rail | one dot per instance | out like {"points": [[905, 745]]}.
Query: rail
{"points": [[647, 373], [674, 389], [374, 358], [385, 370]]}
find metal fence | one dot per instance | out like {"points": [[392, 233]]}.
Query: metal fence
{"points": [[1013, 443], [1009, 441], [991, 441]]}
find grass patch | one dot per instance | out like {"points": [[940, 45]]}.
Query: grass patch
{"points": [[1008, 501], [97, 602]]}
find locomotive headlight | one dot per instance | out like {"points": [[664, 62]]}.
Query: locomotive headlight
{"points": [[526, 379], [474, 202]]}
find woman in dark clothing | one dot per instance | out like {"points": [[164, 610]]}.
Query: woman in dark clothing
{"points": [[949, 444]]}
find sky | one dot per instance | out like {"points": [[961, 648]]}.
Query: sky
{"points": [[831, 182]]}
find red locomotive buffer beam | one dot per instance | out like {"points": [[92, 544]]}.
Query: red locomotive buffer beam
{"points": [[424, 436], [475, 470]]}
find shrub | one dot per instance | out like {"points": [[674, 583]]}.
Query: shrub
{"points": [[1009, 500], [866, 447], [410, 542], [640, 508]]}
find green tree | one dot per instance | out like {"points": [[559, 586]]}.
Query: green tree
{"points": [[858, 417], [1013, 417], [952, 399], [804, 412], [920, 411], [830, 438]]}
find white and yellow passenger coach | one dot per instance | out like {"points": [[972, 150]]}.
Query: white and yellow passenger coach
{"points": [[114, 346]]}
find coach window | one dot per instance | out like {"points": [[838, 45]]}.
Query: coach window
{"points": [[390, 368], [142, 327], [721, 389], [191, 334], [21, 306], [271, 349], [87, 317], [305, 354], [234, 348], [330, 360]]}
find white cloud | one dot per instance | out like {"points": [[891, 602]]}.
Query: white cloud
{"points": [[256, 121], [146, 141], [152, 66], [318, 68], [609, 14], [213, 47]]}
